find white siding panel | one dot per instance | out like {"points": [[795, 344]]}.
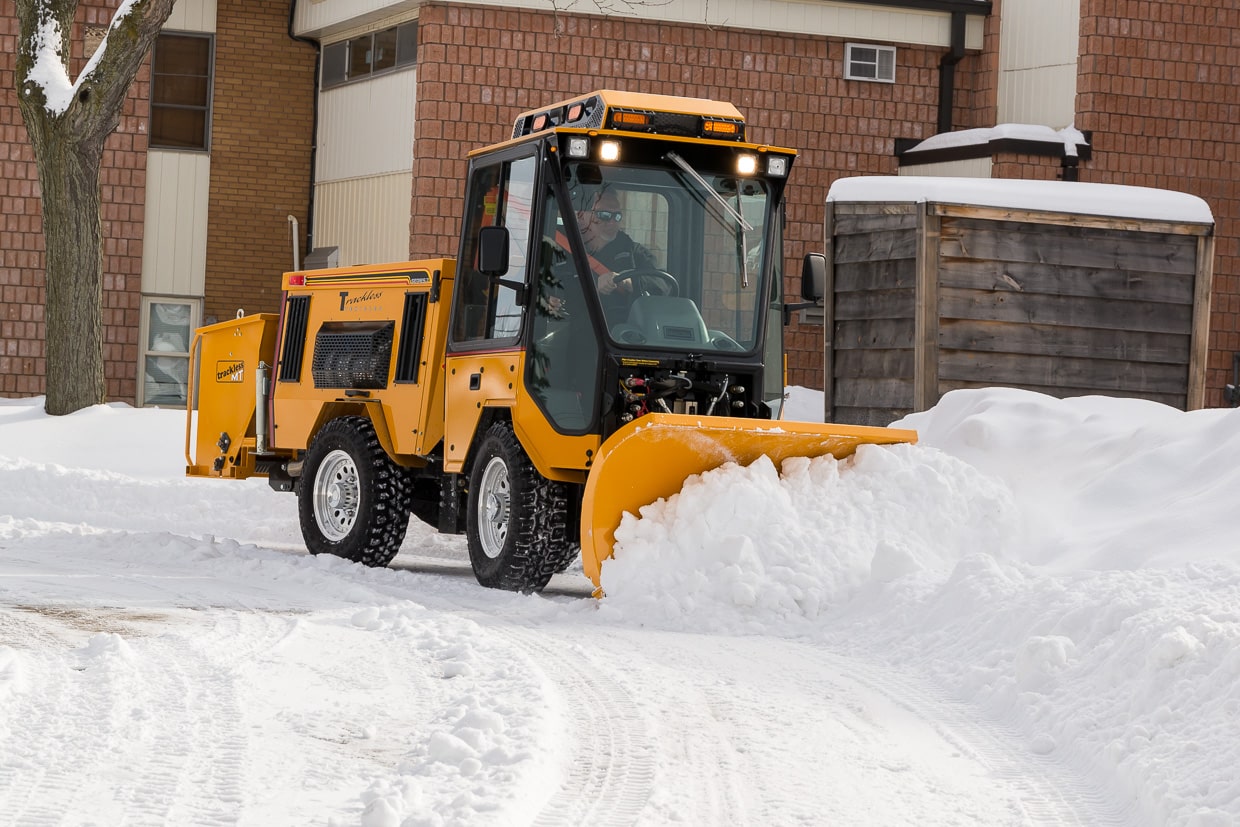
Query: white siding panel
{"points": [[1045, 96], [1039, 33], [367, 218], [366, 128], [192, 16], [314, 18], [972, 168], [174, 247], [329, 18], [1038, 46]]}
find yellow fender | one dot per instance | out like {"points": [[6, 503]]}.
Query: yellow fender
{"points": [[651, 457]]}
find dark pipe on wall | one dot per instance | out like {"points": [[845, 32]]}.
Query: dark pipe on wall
{"points": [[947, 72]]}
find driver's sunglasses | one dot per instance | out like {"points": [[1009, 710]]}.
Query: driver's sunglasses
{"points": [[609, 215]]}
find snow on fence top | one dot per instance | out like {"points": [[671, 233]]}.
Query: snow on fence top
{"points": [[1074, 197]]}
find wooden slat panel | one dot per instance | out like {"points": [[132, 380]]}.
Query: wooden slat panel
{"points": [[926, 313], [848, 208], [1071, 246], [1050, 340], [828, 314], [871, 363], [868, 223], [877, 417], [1201, 324], [1065, 219], [1064, 310], [1096, 375], [1174, 400], [877, 245], [888, 274], [876, 333], [874, 304], [873, 393], [1024, 277]]}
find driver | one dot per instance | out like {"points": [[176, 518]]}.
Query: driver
{"points": [[611, 249]]}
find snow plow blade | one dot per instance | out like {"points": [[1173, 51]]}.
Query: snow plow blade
{"points": [[651, 457]]}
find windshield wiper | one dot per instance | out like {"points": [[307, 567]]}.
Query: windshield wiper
{"points": [[683, 164], [745, 226]]}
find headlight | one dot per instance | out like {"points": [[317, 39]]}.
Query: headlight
{"points": [[609, 150], [746, 165], [579, 147], [777, 166]]}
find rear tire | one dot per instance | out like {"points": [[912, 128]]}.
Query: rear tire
{"points": [[352, 499], [517, 520]]}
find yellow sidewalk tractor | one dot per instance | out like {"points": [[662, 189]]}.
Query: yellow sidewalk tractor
{"points": [[611, 326]]}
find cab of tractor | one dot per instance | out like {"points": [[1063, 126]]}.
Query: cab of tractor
{"points": [[631, 249]]}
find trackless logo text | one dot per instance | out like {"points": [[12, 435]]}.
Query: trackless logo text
{"points": [[232, 371]]}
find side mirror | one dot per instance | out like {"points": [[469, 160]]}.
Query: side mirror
{"points": [[814, 277], [813, 284], [493, 250]]}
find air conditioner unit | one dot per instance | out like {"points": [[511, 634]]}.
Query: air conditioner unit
{"points": [[863, 61]]}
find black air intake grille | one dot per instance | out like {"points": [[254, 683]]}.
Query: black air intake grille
{"points": [[295, 314], [352, 355], [412, 323]]}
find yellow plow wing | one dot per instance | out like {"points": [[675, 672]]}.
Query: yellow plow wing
{"points": [[651, 457]]}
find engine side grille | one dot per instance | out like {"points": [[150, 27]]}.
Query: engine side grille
{"points": [[352, 355], [412, 323], [295, 314]]}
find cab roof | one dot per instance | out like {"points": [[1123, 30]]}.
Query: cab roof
{"points": [[637, 112]]}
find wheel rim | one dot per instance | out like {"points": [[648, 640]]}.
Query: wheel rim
{"points": [[336, 495], [494, 503]]}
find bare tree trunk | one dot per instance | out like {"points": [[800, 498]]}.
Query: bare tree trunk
{"points": [[68, 125], [73, 240]]}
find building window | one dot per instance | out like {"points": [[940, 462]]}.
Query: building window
{"points": [[167, 331], [863, 61], [370, 54], [181, 91]]}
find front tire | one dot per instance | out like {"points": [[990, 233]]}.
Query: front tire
{"points": [[353, 501], [517, 520]]}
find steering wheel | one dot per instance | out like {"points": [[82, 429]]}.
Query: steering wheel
{"points": [[645, 278]]}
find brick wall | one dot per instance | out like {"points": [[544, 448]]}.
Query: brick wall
{"points": [[261, 138], [123, 193], [479, 67], [1158, 84]]}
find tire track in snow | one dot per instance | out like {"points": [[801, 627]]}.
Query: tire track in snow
{"points": [[133, 730], [610, 774], [1051, 794]]}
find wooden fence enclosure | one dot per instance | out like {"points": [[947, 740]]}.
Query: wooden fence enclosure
{"points": [[928, 296]]}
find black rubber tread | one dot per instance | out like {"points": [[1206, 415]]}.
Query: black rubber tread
{"points": [[537, 544], [385, 495]]}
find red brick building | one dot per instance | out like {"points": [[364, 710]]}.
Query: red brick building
{"points": [[368, 157]]}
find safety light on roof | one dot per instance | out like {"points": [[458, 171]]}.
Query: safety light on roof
{"points": [[296, 281], [777, 166], [575, 112], [609, 150], [578, 147], [630, 119], [727, 128], [746, 165]]}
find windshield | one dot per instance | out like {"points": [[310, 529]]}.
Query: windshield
{"points": [[676, 253]]}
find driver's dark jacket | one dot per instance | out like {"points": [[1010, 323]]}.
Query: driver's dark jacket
{"points": [[623, 253]]}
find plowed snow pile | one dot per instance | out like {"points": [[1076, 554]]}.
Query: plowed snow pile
{"points": [[1072, 567], [754, 549]]}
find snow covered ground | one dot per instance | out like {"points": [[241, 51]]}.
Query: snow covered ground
{"points": [[1030, 618]]}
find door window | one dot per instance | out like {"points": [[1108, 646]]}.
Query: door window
{"points": [[489, 307]]}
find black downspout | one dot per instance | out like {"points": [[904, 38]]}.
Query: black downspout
{"points": [[947, 72], [314, 126]]}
